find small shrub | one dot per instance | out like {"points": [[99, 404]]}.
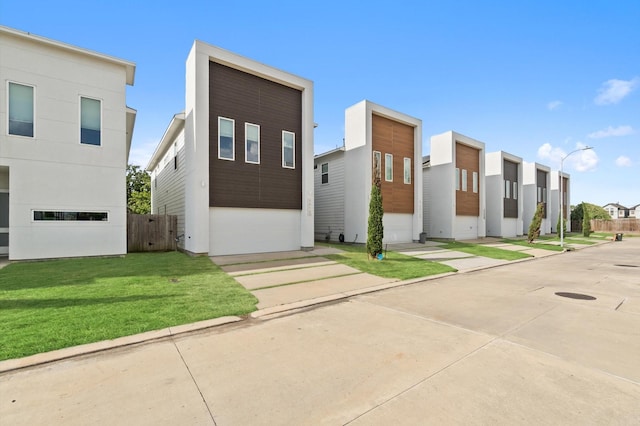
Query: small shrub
{"points": [[534, 228]]}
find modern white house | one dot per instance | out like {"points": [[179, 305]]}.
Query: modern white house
{"points": [[536, 181], [554, 200], [377, 140], [237, 165], [503, 173], [454, 188], [65, 134]]}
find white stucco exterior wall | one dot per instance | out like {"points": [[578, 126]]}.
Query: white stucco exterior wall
{"points": [[53, 171], [530, 192], [497, 224]]}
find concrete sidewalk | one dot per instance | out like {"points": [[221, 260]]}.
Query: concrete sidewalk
{"points": [[492, 346]]}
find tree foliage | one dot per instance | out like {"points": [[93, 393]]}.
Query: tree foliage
{"points": [[138, 190], [586, 221], [375, 230], [564, 225], [595, 212], [536, 223]]}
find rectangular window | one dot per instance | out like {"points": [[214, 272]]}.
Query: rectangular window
{"points": [[90, 121], [21, 109], [507, 189], [377, 165], [457, 179], [539, 195], [388, 167], [544, 195], [464, 180], [407, 170], [226, 139], [288, 150], [325, 173], [475, 182], [252, 143], [515, 190], [40, 215]]}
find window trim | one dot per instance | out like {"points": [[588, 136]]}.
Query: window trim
{"points": [[80, 120], [388, 166], [34, 211], [9, 82], [463, 179], [515, 190], [293, 149], [507, 189], [407, 176], [233, 139], [323, 174], [246, 143], [457, 177], [475, 182]]}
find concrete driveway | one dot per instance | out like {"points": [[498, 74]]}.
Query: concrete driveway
{"points": [[496, 346]]}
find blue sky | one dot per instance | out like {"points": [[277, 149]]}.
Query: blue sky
{"points": [[536, 79]]}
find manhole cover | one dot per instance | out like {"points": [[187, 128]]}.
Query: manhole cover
{"points": [[626, 266], [575, 296]]}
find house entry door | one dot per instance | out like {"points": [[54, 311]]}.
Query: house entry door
{"points": [[4, 222]]}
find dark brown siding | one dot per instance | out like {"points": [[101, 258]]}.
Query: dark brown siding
{"points": [[392, 137], [565, 198], [247, 98], [541, 182], [510, 171], [468, 202]]}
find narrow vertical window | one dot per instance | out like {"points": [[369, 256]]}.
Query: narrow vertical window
{"points": [[464, 180], [388, 167], [539, 194], [475, 182], [325, 173], [507, 189], [226, 139], [90, 121], [252, 143], [21, 110], [457, 179], [544, 195], [377, 165], [407, 170], [288, 150], [515, 190]]}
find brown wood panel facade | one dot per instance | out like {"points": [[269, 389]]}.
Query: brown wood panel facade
{"points": [[393, 137], [510, 171], [541, 189], [467, 201], [247, 98], [565, 197]]}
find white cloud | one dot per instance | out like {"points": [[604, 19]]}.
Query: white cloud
{"points": [[623, 161], [611, 131], [553, 105], [141, 153], [613, 91], [581, 161]]}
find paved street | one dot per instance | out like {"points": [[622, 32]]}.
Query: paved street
{"points": [[493, 346]]}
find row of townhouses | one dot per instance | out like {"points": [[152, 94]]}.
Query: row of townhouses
{"points": [[236, 164], [618, 211]]}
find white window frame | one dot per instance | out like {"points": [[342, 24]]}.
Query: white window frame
{"points": [[80, 120], [34, 220], [285, 132], [507, 188], [457, 179], [407, 170], [475, 182], [233, 139], [515, 190], [246, 143], [464, 180], [388, 167], [323, 174], [9, 82]]}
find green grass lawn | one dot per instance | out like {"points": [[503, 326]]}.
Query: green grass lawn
{"points": [[60, 303], [539, 245], [482, 250], [394, 265]]}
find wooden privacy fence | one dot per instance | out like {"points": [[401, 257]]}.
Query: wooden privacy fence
{"points": [[151, 232], [615, 225]]}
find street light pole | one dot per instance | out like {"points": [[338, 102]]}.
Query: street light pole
{"points": [[561, 195]]}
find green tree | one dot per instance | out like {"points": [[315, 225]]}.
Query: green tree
{"points": [[586, 221], [138, 190], [536, 222], [564, 225], [595, 212], [375, 230]]}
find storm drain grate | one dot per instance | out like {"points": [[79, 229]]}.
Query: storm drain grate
{"points": [[625, 266], [575, 296]]}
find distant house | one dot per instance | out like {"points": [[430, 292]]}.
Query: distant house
{"points": [[454, 188], [377, 140], [617, 211], [536, 181], [554, 200], [65, 134], [237, 166], [634, 212], [504, 194]]}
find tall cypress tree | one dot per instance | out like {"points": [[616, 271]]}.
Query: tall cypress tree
{"points": [[534, 228], [375, 230], [586, 220]]}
